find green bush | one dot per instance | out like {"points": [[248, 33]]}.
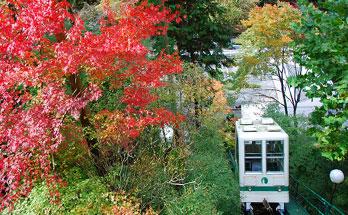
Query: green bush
{"points": [[210, 187], [149, 180], [194, 201], [293, 126], [88, 196]]}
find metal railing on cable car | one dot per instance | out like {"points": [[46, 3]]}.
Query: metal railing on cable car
{"points": [[310, 200]]}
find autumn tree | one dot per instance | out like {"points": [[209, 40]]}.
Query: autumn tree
{"points": [[195, 94], [52, 69], [266, 50], [323, 49]]}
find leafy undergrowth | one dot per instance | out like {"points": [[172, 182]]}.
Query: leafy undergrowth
{"points": [[214, 190], [145, 185], [84, 196]]}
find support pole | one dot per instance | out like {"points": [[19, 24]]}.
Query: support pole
{"points": [[333, 193]]}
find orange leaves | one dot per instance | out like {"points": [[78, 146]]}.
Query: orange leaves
{"points": [[219, 99], [286, 39], [217, 85], [121, 128], [111, 127], [126, 204]]}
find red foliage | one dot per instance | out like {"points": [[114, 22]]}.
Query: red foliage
{"points": [[33, 73]]}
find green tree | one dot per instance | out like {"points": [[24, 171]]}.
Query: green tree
{"points": [[237, 10], [323, 50], [202, 33]]}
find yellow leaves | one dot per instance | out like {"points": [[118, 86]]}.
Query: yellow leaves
{"points": [[271, 25], [194, 84], [250, 60], [115, 7], [125, 204], [269, 33], [219, 100], [201, 96], [109, 126]]}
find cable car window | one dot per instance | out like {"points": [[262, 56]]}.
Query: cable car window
{"points": [[253, 156], [275, 156]]}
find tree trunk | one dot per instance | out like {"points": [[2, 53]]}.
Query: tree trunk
{"points": [[92, 142], [196, 113], [295, 110], [179, 136], [281, 80]]}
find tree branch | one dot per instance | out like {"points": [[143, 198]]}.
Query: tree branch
{"points": [[270, 97], [180, 184]]}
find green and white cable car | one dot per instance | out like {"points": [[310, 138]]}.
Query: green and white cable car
{"points": [[263, 160]]}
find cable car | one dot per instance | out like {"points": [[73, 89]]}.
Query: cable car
{"points": [[263, 161]]}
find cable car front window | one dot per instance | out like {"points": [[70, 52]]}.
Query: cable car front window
{"points": [[253, 156], [275, 156]]}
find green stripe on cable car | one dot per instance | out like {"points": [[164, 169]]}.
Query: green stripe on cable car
{"points": [[264, 188]]}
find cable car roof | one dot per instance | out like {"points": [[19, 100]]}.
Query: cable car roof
{"points": [[261, 128]]}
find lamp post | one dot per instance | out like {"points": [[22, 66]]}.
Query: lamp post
{"points": [[337, 177]]}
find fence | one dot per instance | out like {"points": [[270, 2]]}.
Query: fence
{"points": [[310, 200]]}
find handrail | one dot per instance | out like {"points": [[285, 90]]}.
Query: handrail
{"points": [[322, 207]]}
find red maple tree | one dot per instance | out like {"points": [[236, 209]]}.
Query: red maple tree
{"points": [[36, 69]]}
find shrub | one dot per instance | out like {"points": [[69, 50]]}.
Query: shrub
{"points": [[88, 196], [210, 187]]}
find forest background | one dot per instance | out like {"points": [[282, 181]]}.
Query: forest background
{"points": [[89, 96]]}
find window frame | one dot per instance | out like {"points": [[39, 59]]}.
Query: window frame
{"points": [[260, 157], [278, 156]]}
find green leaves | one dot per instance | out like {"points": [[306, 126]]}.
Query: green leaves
{"points": [[323, 50], [202, 33], [215, 190]]}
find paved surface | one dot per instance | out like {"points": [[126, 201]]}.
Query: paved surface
{"points": [[266, 92]]}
